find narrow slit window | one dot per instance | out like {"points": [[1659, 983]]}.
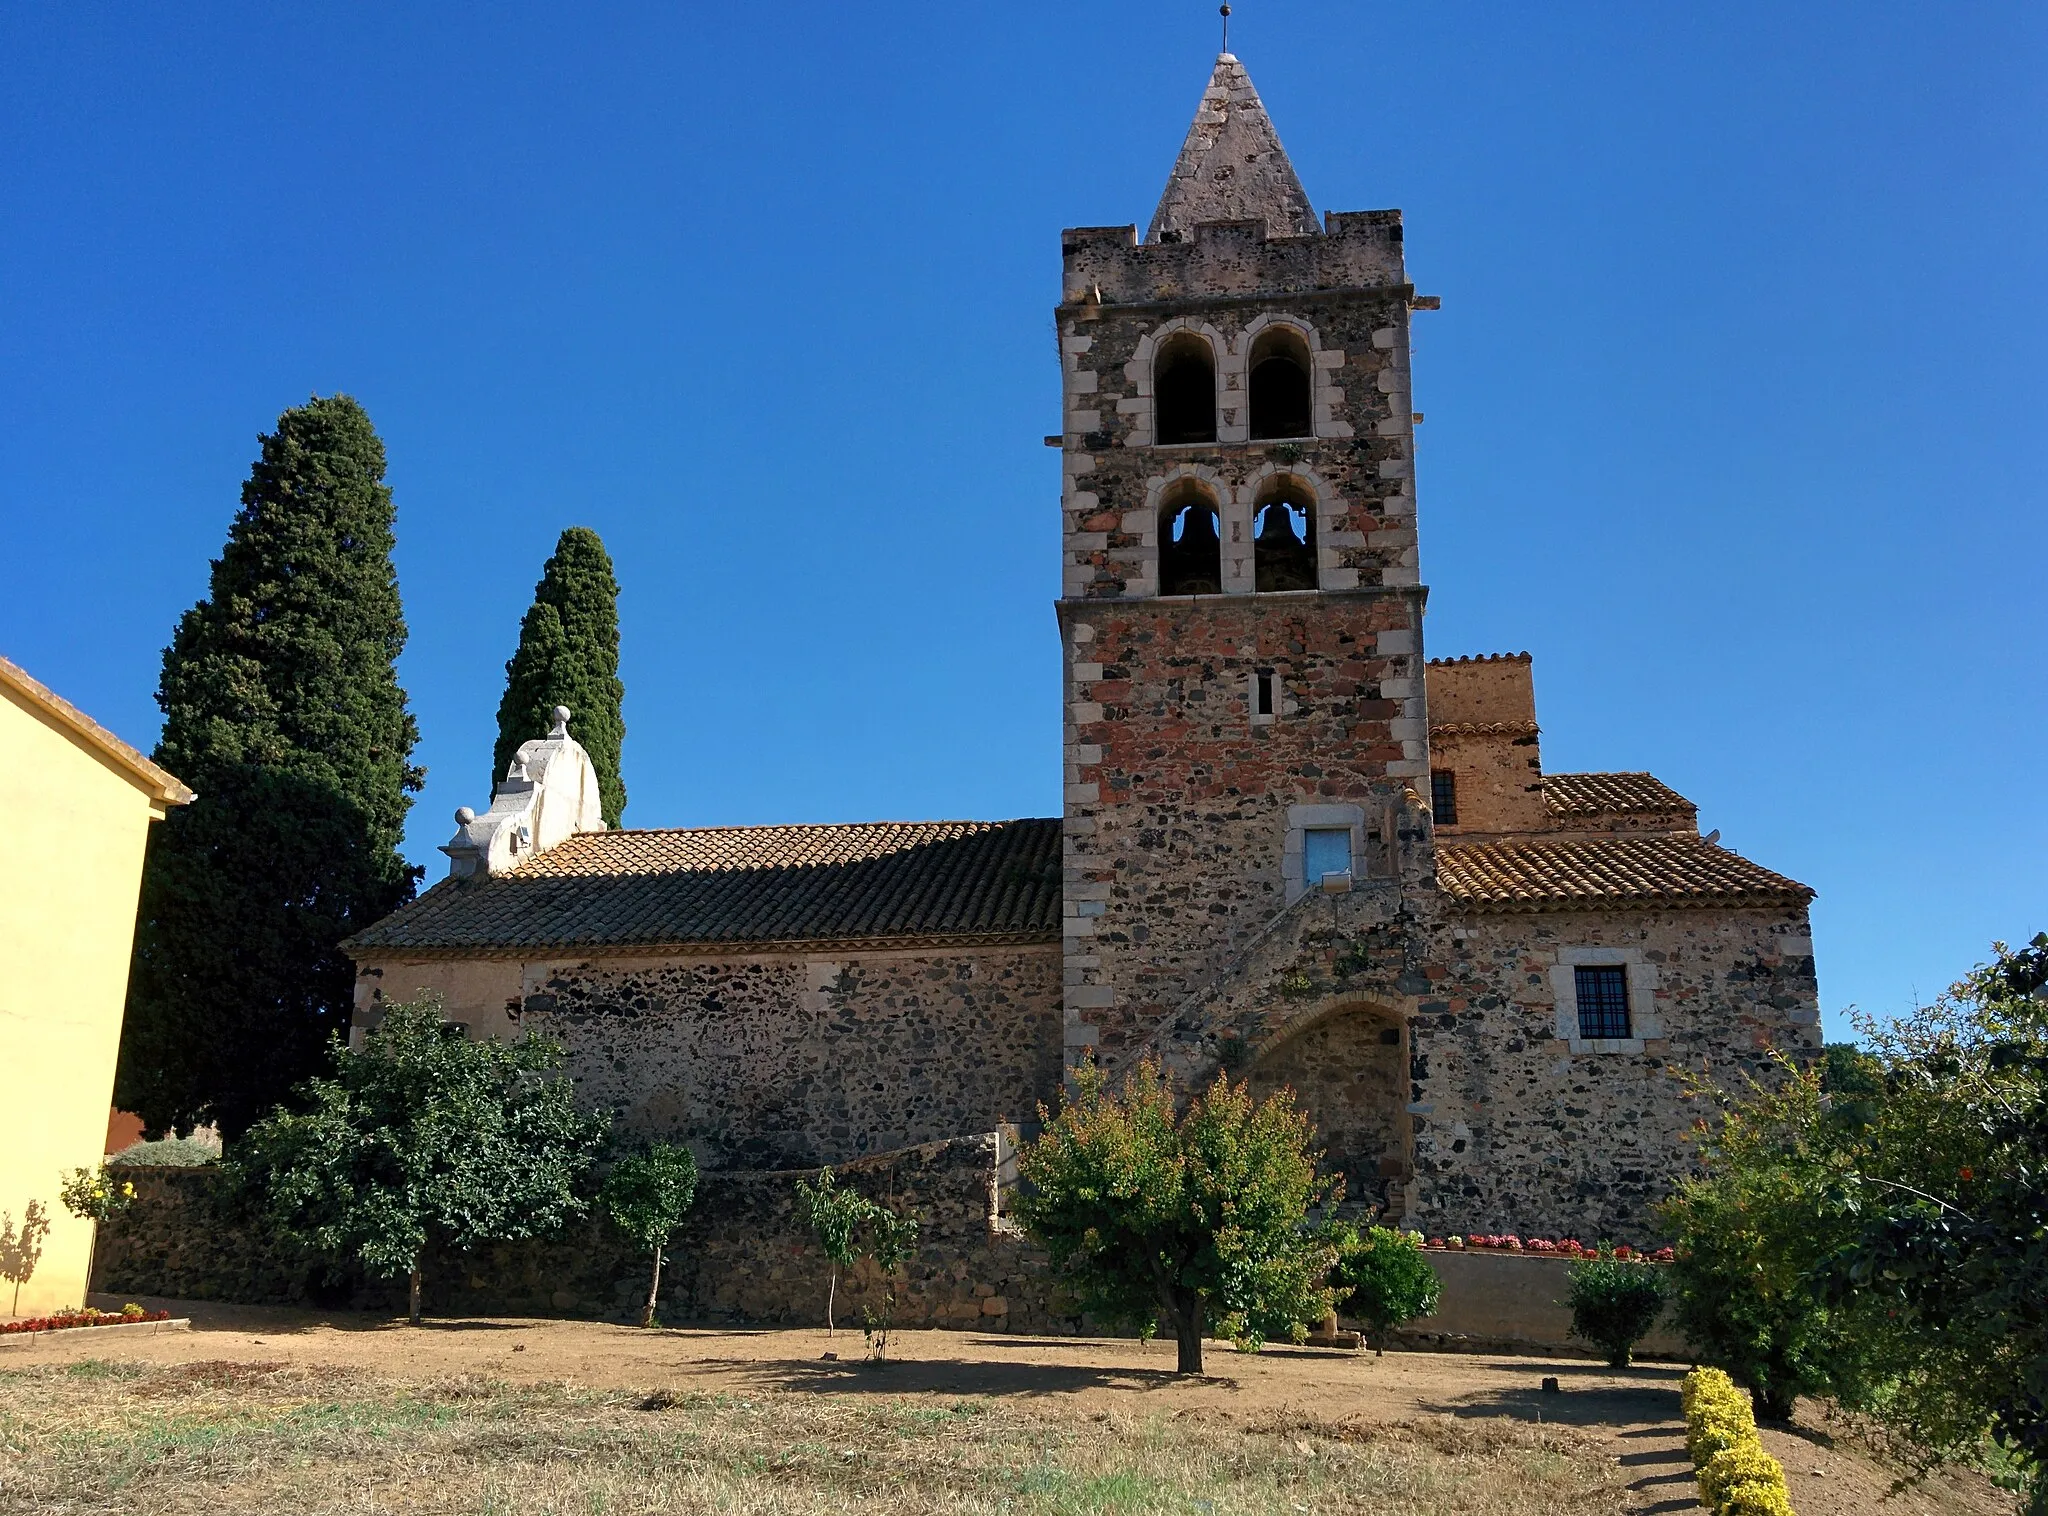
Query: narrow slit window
{"points": [[1443, 797], [1603, 1002], [1265, 702], [1325, 851]]}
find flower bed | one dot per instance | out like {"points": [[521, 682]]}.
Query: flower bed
{"points": [[89, 1317], [1568, 1247]]}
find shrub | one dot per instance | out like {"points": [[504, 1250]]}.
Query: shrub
{"points": [[1383, 1279], [1736, 1476], [95, 1194], [170, 1153], [1615, 1301]]}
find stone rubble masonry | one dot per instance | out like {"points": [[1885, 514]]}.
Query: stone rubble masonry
{"points": [[743, 1256], [777, 1061], [1482, 727]]}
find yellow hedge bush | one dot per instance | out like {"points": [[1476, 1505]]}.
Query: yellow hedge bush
{"points": [[1736, 1476]]}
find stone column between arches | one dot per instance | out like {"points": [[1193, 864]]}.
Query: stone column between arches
{"points": [[1349, 1073]]}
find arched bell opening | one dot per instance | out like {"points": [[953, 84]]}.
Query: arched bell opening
{"points": [[1280, 385], [1184, 389], [1284, 536], [1349, 1073], [1190, 546]]}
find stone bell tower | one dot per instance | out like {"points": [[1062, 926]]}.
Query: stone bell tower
{"points": [[1241, 607]]}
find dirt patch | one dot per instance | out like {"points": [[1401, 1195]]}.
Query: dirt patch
{"points": [[1463, 1408]]}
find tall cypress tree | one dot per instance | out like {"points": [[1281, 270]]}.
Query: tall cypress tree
{"points": [[569, 655], [282, 708]]}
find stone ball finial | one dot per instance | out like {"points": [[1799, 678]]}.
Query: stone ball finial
{"points": [[561, 722], [464, 815]]}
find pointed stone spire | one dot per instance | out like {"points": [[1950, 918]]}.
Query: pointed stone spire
{"points": [[1232, 167]]}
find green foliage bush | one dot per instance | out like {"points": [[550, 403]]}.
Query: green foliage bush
{"points": [[170, 1153], [1753, 1228], [422, 1136], [1196, 1221], [1872, 1229], [1383, 1277], [646, 1195], [1615, 1302], [1737, 1477]]}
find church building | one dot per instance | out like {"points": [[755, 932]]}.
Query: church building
{"points": [[1293, 845]]}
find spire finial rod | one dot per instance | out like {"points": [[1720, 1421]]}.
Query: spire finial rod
{"points": [[1224, 10]]}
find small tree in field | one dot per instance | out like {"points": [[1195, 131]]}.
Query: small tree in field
{"points": [[422, 1137], [1197, 1222], [891, 1240], [1383, 1278], [835, 1215], [646, 1195]]}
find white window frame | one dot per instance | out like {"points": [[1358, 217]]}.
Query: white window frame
{"points": [[1643, 1020]]}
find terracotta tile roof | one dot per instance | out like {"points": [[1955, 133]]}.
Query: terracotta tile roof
{"points": [[1611, 794], [911, 882], [1605, 872]]}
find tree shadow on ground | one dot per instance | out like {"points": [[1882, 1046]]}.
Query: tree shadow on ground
{"points": [[945, 1376], [1651, 1372], [1631, 1406]]}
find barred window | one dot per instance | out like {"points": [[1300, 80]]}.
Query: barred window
{"points": [[1443, 797], [1603, 1002]]}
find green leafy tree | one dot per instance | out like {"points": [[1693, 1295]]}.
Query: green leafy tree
{"points": [[1752, 1227], [1614, 1303], [569, 655], [1947, 1196], [1195, 1221], [422, 1138], [646, 1195], [282, 708], [1383, 1278], [835, 1216]]}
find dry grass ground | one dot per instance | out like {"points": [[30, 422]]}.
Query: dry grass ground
{"points": [[273, 1411]]}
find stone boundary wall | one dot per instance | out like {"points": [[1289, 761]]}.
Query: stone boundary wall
{"points": [[1513, 1300], [742, 1256], [745, 1258]]}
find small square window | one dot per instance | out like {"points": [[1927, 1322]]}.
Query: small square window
{"points": [[1603, 1002], [1443, 797], [1325, 850]]}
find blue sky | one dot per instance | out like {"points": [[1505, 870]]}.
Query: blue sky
{"points": [[1735, 405]]}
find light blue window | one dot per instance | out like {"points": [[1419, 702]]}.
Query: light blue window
{"points": [[1325, 850]]}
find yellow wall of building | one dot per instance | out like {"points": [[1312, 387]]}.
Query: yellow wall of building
{"points": [[72, 829]]}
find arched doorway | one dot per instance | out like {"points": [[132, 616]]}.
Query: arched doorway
{"points": [[1349, 1073]]}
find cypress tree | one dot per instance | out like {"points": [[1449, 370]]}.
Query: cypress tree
{"points": [[282, 708], [569, 655]]}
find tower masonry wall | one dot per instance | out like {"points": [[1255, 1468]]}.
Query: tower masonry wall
{"points": [[1356, 464], [1185, 815]]}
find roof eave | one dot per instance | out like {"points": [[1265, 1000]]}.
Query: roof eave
{"points": [[163, 788]]}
